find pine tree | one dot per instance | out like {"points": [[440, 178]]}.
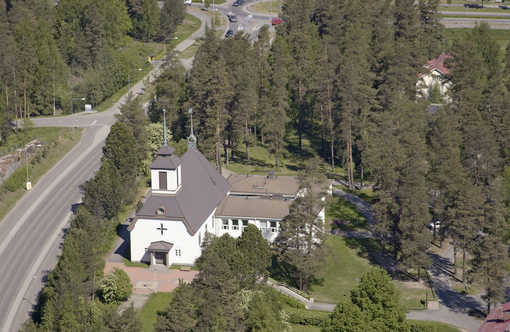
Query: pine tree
{"points": [[181, 314], [301, 239], [172, 14], [256, 256], [432, 30], [303, 40], [210, 90]]}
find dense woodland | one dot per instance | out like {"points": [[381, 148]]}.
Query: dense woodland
{"points": [[52, 54], [343, 75]]}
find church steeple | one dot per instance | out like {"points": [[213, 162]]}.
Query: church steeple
{"points": [[164, 128], [192, 139]]}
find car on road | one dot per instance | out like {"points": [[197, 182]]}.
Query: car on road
{"points": [[504, 7], [276, 21], [473, 5], [232, 18], [188, 2], [229, 34], [237, 3]]}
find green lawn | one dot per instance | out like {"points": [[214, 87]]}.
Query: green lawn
{"points": [[304, 328], [344, 215], [346, 262], [148, 313], [262, 160], [58, 140], [436, 326], [266, 7], [501, 36], [184, 30]]}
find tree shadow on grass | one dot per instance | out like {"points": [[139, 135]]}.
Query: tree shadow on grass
{"points": [[372, 250]]}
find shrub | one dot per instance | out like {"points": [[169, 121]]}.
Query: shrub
{"points": [[116, 287], [16, 180], [307, 317]]}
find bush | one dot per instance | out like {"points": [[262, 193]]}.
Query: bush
{"points": [[289, 301], [307, 317], [116, 287], [16, 180]]}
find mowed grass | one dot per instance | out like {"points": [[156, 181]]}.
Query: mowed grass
{"points": [[60, 141], [434, 326], [346, 262], [303, 328], [343, 214], [184, 30], [266, 7], [501, 36], [148, 313], [262, 161]]}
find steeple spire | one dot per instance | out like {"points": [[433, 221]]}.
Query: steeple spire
{"points": [[192, 139], [164, 128]]}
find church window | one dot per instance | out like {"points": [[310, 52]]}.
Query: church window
{"points": [[160, 211], [162, 181], [235, 224], [178, 252], [225, 224]]}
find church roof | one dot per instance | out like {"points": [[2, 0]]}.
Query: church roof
{"points": [[203, 189], [166, 159], [254, 207]]}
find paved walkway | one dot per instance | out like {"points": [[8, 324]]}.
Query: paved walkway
{"points": [[151, 280]]}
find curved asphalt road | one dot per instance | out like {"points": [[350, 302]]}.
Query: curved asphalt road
{"points": [[32, 233]]}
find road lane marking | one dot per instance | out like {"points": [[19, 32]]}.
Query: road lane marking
{"points": [[41, 197], [26, 283]]}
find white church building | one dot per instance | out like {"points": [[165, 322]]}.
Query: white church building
{"points": [[189, 198]]}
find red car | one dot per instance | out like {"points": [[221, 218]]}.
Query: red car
{"points": [[276, 21]]}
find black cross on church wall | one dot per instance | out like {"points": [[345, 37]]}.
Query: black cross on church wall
{"points": [[161, 228]]}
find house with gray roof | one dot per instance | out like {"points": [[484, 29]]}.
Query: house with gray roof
{"points": [[189, 198]]}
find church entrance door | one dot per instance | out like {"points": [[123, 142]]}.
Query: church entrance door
{"points": [[160, 258]]}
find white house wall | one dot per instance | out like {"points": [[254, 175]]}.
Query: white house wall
{"points": [[173, 180], [145, 232]]}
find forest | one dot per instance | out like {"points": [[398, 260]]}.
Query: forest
{"points": [[54, 56], [343, 74]]}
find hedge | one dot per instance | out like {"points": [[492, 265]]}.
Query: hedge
{"points": [[307, 317]]}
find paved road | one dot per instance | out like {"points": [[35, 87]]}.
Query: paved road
{"points": [[491, 14], [31, 234], [469, 22]]}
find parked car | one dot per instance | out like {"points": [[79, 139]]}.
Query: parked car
{"points": [[229, 34], [436, 224], [232, 18], [473, 5], [237, 3], [504, 7], [188, 2], [276, 21]]}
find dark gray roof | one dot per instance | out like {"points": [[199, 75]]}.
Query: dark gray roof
{"points": [[203, 189], [166, 159], [160, 246]]}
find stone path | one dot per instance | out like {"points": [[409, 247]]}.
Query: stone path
{"points": [[152, 279]]}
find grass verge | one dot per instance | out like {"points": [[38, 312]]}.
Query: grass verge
{"points": [[501, 36], [434, 326], [148, 313], [58, 141], [266, 7]]}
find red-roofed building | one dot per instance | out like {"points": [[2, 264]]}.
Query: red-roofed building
{"points": [[435, 76], [498, 320]]}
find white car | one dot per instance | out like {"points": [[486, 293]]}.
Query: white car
{"points": [[188, 2]]}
